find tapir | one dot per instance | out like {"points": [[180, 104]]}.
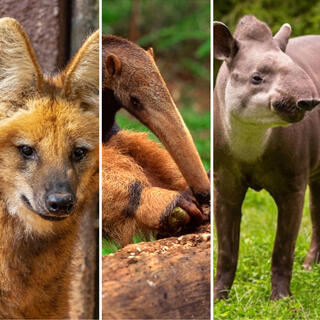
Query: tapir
{"points": [[144, 184], [266, 136]]}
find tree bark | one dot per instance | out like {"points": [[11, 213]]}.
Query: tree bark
{"points": [[85, 20], [134, 34], [83, 296], [164, 279]]}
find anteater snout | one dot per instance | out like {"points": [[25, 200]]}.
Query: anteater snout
{"points": [[308, 104], [59, 202]]}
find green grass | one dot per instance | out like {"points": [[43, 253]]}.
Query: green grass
{"points": [[199, 126], [249, 297], [109, 246]]}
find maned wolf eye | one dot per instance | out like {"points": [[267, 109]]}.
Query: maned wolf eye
{"points": [[79, 153], [26, 151], [256, 79]]}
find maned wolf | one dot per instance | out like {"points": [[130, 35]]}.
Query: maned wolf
{"points": [[48, 171], [144, 186]]}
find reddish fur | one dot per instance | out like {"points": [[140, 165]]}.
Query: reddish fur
{"points": [[129, 157], [36, 254]]}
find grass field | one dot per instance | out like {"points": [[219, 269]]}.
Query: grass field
{"points": [[199, 126], [249, 297]]}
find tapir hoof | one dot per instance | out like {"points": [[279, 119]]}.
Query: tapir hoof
{"points": [[220, 294], [280, 294], [312, 257]]}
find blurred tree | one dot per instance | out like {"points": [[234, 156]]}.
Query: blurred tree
{"points": [[302, 15], [179, 32], [135, 21]]}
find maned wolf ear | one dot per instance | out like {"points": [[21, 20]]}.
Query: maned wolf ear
{"points": [[224, 45], [20, 71], [113, 65], [81, 76], [282, 36]]}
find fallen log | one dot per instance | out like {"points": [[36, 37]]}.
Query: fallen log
{"points": [[164, 279]]}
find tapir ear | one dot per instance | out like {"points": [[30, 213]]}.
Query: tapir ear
{"points": [[151, 53], [113, 65], [282, 36], [81, 76], [224, 45], [20, 72]]}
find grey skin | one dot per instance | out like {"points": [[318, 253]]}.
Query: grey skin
{"points": [[265, 137]]}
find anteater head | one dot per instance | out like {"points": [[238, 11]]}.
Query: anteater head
{"points": [[48, 132], [131, 75]]}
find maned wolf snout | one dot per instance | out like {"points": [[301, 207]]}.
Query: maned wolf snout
{"points": [[49, 170], [60, 199], [59, 202], [266, 136]]}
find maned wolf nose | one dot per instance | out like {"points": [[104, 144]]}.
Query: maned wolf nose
{"points": [[59, 202], [308, 104]]}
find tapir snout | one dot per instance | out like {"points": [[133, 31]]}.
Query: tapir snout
{"points": [[293, 92], [308, 104], [293, 111]]}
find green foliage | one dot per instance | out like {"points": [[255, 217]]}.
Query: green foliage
{"points": [[178, 30], [109, 246], [303, 15], [249, 297]]}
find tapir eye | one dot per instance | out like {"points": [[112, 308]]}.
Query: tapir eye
{"points": [[26, 151], [256, 79], [79, 153]]}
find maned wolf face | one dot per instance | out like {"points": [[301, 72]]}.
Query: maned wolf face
{"points": [[49, 154]]}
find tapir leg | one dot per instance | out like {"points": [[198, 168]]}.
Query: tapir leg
{"points": [[227, 220], [313, 255], [290, 208]]}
